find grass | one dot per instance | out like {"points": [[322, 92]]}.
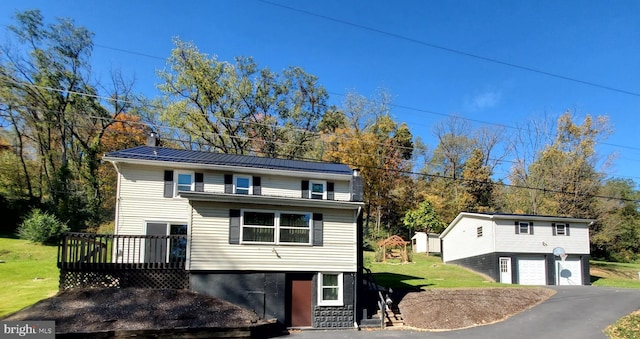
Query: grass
{"points": [[424, 271], [627, 327], [29, 274], [614, 274]]}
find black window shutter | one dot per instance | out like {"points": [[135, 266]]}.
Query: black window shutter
{"points": [[553, 228], [199, 182], [330, 191], [318, 226], [531, 228], [566, 229], [228, 183], [304, 187], [257, 186], [168, 184], [234, 226], [517, 227]]}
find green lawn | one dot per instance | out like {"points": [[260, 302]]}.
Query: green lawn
{"points": [[614, 274], [424, 271], [28, 273]]}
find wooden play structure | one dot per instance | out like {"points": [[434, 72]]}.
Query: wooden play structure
{"points": [[398, 248]]}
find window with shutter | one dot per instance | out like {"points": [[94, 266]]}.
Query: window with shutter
{"points": [[168, 184]]}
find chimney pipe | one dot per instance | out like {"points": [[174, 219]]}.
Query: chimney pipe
{"points": [[153, 140]]}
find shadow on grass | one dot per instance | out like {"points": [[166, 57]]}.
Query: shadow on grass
{"points": [[594, 278], [396, 282]]}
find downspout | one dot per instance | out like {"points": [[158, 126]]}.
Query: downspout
{"points": [[116, 218]]}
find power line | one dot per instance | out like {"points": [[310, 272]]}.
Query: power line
{"points": [[452, 50]]}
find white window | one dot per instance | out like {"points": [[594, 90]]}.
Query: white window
{"points": [[276, 227], [330, 289], [184, 181], [524, 228], [242, 184], [318, 190], [561, 229]]}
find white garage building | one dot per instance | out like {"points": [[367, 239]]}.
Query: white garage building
{"points": [[520, 249]]}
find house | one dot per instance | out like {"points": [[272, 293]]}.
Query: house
{"points": [[423, 242], [520, 249], [281, 237]]}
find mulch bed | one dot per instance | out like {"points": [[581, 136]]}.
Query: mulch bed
{"points": [[449, 309], [130, 309]]}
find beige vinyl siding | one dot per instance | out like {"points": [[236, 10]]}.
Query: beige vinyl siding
{"points": [[210, 248], [542, 240], [141, 199], [463, 241]]}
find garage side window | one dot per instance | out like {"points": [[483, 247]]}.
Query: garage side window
{"points": [[524, 227], [560, 229]]}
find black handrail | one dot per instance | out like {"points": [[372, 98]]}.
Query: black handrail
{"points": [[109, 251], [382, 301]]}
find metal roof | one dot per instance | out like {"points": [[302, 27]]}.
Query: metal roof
{"points": [[150, 153]]}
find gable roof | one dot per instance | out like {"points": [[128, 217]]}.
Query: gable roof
{"points": [[149, 154], [507, 216]]}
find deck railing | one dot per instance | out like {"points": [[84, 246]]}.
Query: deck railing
{"points": [[87, 251]]}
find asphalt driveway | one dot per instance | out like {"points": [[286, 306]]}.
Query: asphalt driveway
{"points": [[573, 312]]}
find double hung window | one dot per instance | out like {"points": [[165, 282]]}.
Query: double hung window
{"points": [[242, 185], [318, 190], [184, 181], [276, 227], [330, 289]]}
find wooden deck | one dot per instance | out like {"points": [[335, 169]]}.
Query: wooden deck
{"points": [[108, 260]]}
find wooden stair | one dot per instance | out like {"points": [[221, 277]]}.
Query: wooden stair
{"points": [[392, 317]]}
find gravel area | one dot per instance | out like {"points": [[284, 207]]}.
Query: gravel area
{"points": [[92, 310]]}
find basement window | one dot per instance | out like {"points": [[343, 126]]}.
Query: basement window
{"points": [[330, 289]]}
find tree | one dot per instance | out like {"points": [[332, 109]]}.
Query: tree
{"points": [[477, 183], [616, 234], [423, 219], [371, 141], [51, 103], [240, 109]]}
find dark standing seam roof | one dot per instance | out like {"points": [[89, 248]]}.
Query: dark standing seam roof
{"points": [[221, 159]]}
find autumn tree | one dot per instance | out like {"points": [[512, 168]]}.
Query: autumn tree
{"points": [[371, 141], [51, 104], [563, 178], [241, 109]]}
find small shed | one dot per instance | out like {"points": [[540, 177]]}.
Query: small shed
{"points": [[423, 242]]}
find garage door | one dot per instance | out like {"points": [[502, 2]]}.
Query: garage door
{"points": [[569, 272], [531, 271]]}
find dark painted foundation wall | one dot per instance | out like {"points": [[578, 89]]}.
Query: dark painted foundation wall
{"points": [[489, 264], [266, 293]]}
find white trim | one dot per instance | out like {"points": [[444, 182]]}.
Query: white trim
{"points": [[176, 176], [276, 227], [339, 301], [242, 176], [324, 188], [271, 200]]}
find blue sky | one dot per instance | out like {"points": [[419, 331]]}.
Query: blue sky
{"points": [[421, 52]]}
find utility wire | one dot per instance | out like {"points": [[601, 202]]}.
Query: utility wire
{"points": [[451, 50]]}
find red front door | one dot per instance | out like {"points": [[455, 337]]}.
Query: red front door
{"points": [[301, 305]]}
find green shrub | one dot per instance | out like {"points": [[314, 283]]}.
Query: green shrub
{"points": [[41, 227]]}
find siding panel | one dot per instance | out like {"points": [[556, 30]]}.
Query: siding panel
{"points": [[210, 249]]}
